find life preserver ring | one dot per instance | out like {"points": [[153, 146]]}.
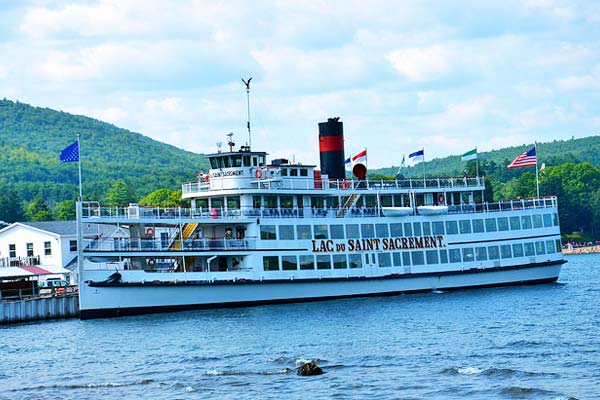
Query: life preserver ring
{"points": [[441, 198], [150, 231], [206, 176], [258, 173]]}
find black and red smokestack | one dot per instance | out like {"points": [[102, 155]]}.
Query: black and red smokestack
{"points": [[331, 147]]}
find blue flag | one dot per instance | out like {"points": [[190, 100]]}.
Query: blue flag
{"points": [[417, 156], [70, 153]]}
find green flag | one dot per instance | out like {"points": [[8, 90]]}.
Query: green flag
{"points": [[470, 155]]}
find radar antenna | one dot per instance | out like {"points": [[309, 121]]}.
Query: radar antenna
{"points": [[230, 142], [247, 83]]}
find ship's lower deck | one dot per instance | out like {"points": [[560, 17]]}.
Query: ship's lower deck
{"points": [[130, 298]]}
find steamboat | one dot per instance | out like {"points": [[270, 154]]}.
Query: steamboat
{"points": [[259, 232]]}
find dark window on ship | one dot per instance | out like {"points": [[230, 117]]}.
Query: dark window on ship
{"points": [[233, 202], [426, 229], [12, 250], [385, 260], [370, 201], [293, 172], [337, 231], [477, 225], [381, 230], [537, 221], [247, 161], [286, 201], [465, 226], [303, 232], [271, 263], [47, 248], [406, 259], [354, 261], [303, 172], [289, 263], [352, 231], [29, 249], [502, 224], [254, 161], [417, 258], [286, 232], [72, 245], [213, 163], [386, 200], [547, 220], [397, 258], [526, 221], [323, 262], [454, 255], [367, 231], [339, 261], [438, 228], [320, 231], [444, 256], [451, 227], [256, 201], [396, 230], [515, 223], [417, 228], [284, 172], [237, 161], [517, 250], [267, 232], [217, 202], [529, 249], [270, 201], [468, 255], [490, 225], [558, 245], [306, 262], [555, 219], [505, 251], [480, 253], [539, 248], [407, 229], [432, 256], [261, 161], [493, 252]]}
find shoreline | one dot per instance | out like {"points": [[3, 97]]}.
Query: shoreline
{"points": [[582, 250]]}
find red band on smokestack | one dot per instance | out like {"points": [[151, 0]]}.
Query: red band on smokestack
{"points": [[331, 143]]}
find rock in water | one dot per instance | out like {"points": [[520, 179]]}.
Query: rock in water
{"points": [[309, 369]]}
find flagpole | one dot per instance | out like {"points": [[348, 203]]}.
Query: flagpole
{"points": [[79, 164], [423, 168], [537, 178]]}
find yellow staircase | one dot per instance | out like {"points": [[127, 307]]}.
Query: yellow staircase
{"points": [[186, 231]]}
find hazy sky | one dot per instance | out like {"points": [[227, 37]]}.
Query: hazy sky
{"points": [[402, 75]]}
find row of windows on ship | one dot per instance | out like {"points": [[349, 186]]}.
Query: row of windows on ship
{"points": [[412, 258], [383, 230], [300, 201]]}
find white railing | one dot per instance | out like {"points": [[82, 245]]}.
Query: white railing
{"points": [[93, 211], [156, 244], [474, 183]]}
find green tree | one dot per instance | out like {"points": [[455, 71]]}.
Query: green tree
{"points": [[11, 209], [120, 193], [162, 198], [38, 210], [65, 210]]}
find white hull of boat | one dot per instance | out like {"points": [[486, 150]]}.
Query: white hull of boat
{"points": [[130, 299]]}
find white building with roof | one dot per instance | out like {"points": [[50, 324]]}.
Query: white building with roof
{"points": [[51, 245]]}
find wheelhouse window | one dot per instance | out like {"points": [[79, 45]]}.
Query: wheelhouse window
{"points": [[303, 172], [293, 172], [47, 248]]}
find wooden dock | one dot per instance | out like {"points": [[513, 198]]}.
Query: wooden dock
{"points": [[39, 308]]}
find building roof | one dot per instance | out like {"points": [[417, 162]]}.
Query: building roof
{"points": [[30, 270], [66, 228]]}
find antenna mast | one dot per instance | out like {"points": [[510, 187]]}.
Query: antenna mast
{"points": [[247, 83]]}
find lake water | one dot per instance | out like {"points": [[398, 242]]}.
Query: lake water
{"points": [[530, 342]]}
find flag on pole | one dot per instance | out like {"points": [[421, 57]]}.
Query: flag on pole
{"points": [[348, 164], [403, 163], [70, 153], [527, 159], [470, 155], [417, 156], [360, 158], [358, 164]]}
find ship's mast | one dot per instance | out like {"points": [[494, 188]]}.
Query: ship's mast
{"points": [[247, 83]]}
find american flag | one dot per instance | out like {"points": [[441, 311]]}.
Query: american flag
{"points": [[527, 159]]}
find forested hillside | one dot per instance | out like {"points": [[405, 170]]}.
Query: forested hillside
{"points": [[31, 139]]}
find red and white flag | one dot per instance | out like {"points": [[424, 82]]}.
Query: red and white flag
{"points": [[527, 159]]}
